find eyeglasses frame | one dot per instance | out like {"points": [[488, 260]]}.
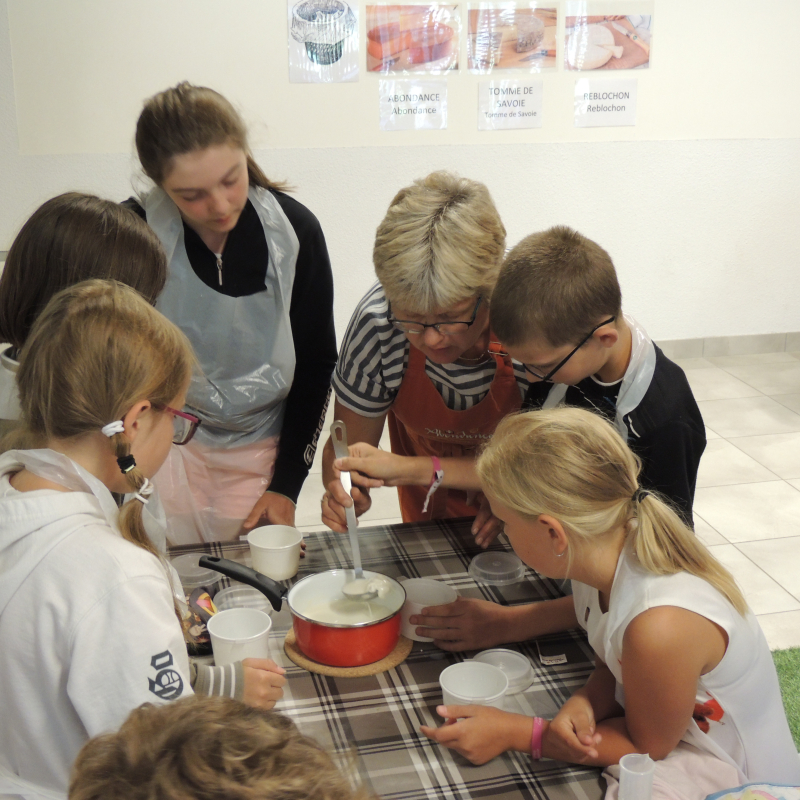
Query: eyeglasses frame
{"points": [[434, 325], [196, 422], [548, 377]]}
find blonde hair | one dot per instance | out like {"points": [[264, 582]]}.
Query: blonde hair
{"points": [[186, 118], [573, 465], [204, 749], [96, 350], [440, 243], [555, 285]]}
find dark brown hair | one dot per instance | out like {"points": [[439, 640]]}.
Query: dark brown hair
{"points": [[206, 749], [96, 350], [555, 285], [68, 239], [186, 118]]}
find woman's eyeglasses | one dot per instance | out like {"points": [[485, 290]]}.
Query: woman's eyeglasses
{"points": [[184, 425], [445, 328]]}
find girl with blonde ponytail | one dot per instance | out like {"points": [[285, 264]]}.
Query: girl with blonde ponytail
{"points": [[683, 671], [87, 604]]}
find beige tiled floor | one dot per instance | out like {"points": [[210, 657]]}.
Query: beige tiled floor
{"points": [[747, 507]]}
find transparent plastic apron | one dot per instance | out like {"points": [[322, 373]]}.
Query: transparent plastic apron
{"points": [[245, 349], [60, 469], [635, 383]]}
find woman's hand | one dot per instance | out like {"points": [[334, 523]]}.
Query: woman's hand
{"points": [[571, 735], [466, 624], [263, 682], [271, 509], [480, 733]]}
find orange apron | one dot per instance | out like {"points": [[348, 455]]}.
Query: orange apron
{"points": [[420, 424]]}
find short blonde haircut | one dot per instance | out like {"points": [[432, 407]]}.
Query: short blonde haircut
{"points": [[206, 749], [554, 286], [573, 465], [440, 243]]}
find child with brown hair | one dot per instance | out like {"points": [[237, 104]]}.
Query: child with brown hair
{"points": [[87, 604], [205, 749], [683, 671]]}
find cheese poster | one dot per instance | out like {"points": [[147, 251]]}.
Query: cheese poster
{"points": [[596, 38]]}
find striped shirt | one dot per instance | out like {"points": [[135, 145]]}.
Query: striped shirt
{"points": [[374, 358]]}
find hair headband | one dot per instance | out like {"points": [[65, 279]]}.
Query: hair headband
{"points": [[118, 426], [639, 495]]}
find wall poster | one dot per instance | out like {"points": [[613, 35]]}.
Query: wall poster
{"points": [[323, 41], [595, 40], [412, 39], [511, 35]]}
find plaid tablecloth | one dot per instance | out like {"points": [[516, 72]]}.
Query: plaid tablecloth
{"points": [[378, 718]]}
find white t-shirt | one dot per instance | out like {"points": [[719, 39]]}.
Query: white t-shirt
{"points": [[88, 632], [739, 699]]}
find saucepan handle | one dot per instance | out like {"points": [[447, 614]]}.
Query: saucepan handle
{"points": [[271, 589]]}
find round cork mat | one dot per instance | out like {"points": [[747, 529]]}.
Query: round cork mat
{"points": [[396, 657]]}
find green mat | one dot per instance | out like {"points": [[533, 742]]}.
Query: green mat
{"points": [[787, 662]]}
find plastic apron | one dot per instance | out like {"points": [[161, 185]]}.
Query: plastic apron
{"points": [[60, 469], [153, 516], [246, 353], [420, 424], [635, 382]]}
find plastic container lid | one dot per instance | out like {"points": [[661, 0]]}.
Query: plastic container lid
{"points": [[239, 596], [192, 574], [499, 569], [516, 667]]}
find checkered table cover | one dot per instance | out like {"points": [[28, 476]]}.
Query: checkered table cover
{"points": [[376, 719]]}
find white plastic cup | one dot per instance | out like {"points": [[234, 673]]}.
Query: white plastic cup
{"points": [[275, 550], [636, 776], [239, 633], [472, 683], [421, 593]]}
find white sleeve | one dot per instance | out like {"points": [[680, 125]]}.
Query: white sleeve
{"points": [[127, 650]]}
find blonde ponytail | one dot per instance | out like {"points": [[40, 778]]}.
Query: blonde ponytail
{"points": [[573, 465]]}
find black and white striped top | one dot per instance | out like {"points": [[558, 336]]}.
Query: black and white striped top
{"points": [[374, 358]]}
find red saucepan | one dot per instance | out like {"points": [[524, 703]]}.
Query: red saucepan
{"points": [[320, 614]]}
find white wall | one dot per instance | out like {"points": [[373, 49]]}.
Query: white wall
{"points": [[697, 204]]}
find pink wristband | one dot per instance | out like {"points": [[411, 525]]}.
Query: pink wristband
{"points": [[536, 738], [436, 481]]}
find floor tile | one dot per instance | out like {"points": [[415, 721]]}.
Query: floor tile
{"points": [[751, 512], [723, 464], [711, 434], [692, 363], [782, 630], [716, 384], [763, 594], [780, 559], [748, 416], [783, 378], [705, 533], [791, 401], [750, 360], [778, 452], [385, 505]]}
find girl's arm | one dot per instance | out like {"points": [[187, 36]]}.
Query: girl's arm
{"points": [[665, 651], [394, 470]]}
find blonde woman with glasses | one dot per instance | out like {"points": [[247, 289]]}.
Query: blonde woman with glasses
{"points": [[418, 352]]}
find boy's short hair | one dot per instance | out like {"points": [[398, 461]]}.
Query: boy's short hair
{"points": [[554, 285], [204, 749], [440, 243]]}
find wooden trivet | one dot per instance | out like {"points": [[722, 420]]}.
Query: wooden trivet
{"points": [[396, 657]]}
